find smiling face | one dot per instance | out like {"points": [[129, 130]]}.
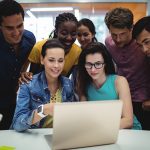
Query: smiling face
{"points": [[12, 28], [98, 60], [53, 62], [121, 37], [84, 36], [144, 40], [67, 33]]}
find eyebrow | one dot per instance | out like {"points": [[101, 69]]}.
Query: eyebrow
{"points": [[145, 40], [13, 26]]}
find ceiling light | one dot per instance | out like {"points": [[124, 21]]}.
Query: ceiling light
{"points": [[31, 14], [53, 9]]}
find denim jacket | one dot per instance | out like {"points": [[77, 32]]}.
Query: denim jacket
{"points": [[33, 94]]}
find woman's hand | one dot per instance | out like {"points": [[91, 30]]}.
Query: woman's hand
{"points": [[49, 109]]}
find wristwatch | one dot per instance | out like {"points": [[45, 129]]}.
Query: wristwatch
{"points": [[40, 111]]}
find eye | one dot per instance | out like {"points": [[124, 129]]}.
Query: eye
{"points": [[64, 33], [85, 34], [73, 34], [61, 60], [88, 65], [98, 63], [20, 26], [147, 42], [51, 60]]}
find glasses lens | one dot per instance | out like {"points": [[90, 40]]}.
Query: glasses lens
{"points": [[98, 65], [88, 65]]}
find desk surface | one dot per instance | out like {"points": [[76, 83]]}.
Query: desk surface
{"points": [[39, 139]]}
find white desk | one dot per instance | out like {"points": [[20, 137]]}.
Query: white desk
{"points": [[39, 139]]}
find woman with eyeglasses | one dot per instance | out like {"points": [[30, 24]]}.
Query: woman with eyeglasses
{"points": [[97, 80]]}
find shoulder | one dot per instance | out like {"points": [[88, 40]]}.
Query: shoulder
{"points": [[35, 81], [109, 43], [108, 40], [65, 81], [30, 36], [120, 78], [121, 81], [76, 48], [38, 46], [41, 43]]}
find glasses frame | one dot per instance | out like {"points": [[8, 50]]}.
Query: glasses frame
{"points": [[94, 64]]}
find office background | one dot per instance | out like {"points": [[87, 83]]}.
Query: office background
{"points": [[40, 14]]}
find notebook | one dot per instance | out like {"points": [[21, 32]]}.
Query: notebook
{"points": [[83, 124]]}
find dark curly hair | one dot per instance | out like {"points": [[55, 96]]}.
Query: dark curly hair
{"points": [[61, 18]]}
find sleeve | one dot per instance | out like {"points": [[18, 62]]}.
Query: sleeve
{"points": [[34, 56], [72, 96], [23, 114]]}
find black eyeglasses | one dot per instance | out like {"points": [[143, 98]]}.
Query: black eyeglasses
{"points": [[97, 65]]}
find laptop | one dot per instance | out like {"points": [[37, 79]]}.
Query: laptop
{"points": [[83, 124]]}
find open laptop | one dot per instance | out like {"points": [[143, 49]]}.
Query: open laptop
{"points": [[83, 124]]}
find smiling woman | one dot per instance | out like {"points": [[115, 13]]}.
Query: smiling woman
{"points": [[36, 99], [66, 32], [97, 81]]}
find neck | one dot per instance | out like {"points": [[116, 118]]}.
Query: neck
{"points": [[53, 84], [99, 82]]}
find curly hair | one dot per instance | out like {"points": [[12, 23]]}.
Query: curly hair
{"points": [[61, 18], [119, 18]]}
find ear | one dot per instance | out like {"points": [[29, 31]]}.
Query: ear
{"points": [[41, 58]]}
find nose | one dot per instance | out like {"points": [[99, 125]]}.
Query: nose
{"points": [[146, 48], [56, 64], [16, 32], [82, 38], [118, 38], [93, 69], [69, 37]]}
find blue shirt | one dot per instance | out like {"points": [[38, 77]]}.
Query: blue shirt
{"points": [[11, 64], [31, 95]]}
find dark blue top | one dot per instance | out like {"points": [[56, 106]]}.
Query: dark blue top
{"points": [[10, 65]]}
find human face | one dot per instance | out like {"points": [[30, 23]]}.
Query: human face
{"points": [[12, 28], [144, 40], [67, 33], [53, 62], [93, 72], [84, 36], [121, 37]]}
